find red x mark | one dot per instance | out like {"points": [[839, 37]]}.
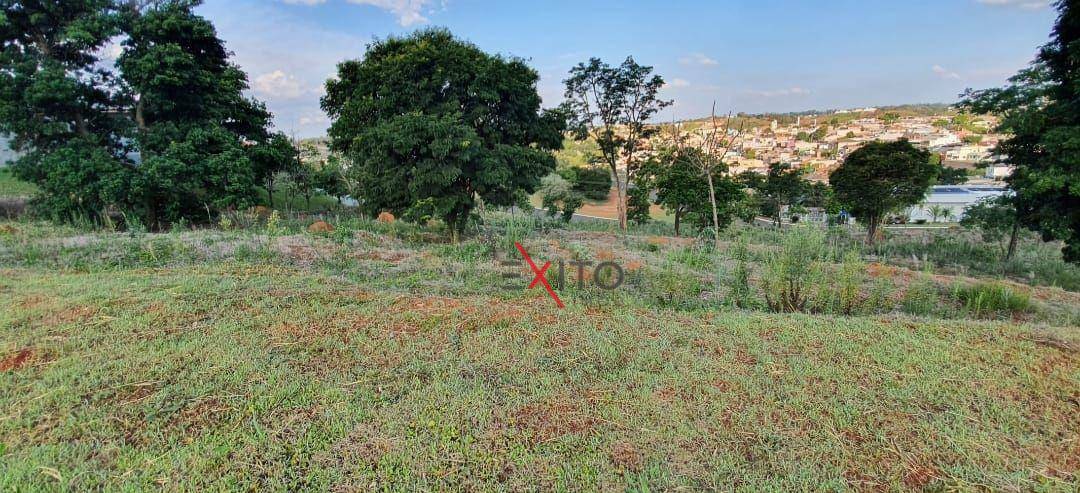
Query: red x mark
{"points": [[540, 278]]}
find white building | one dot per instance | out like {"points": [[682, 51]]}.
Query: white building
{"points": [[998, 171], [947, 139], [951, 198], [968, 153]]}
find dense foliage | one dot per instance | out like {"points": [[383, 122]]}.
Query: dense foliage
{"points": [[1040, 108], [431, 123], [676, 179], [882, 177], [163, 134], [783, 185]]}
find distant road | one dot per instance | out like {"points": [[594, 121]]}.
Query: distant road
{"points": [[538, 212]]}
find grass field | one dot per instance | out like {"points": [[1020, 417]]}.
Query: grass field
{"points": [[11, 187], [379, 357]]}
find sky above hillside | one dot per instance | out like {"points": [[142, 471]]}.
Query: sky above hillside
{"points": [[746, 55]]}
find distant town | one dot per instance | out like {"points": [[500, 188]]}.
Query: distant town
{"points": [[820, 142]]}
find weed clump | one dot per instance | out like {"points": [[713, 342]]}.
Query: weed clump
{"points": [[987, 299], [792, 272]]}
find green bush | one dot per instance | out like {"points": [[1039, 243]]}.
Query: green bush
{"points": [[791, 273], [922, 297], [841, 295], [740, 294], [991, 298]]}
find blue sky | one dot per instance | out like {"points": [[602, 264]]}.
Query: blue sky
{"points": [[751, 56]]}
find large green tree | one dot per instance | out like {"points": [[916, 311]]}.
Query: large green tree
{"points": [[1040, 109], [882, 177], [431, 123], [675, 177], [195, 129], [613, 106], [163, 134], [56, 102], [783, 185]]}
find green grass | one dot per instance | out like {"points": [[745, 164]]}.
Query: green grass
{"points": [[991, 298], [381, 357], [240, 376], [12, 187]]}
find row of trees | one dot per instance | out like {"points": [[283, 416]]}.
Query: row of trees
{"points": [[164, 133], [430, 126]]}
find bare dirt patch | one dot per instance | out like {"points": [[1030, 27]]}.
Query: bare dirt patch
{"points": [[547, 421], [626, 456], [16, 361], [74, 315]]}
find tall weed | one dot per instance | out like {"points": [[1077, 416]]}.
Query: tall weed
{"points": [[791, 273]]}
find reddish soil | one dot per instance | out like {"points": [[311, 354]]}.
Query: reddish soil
{"points": [[16, 361], [626, 456]]}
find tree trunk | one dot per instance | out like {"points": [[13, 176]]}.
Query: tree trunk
{"points": [[871, 230], [715, 215], [270, 191], [151, 215], [1013, 240], [80, 124], [620, 188], [140, 117], [678, 219]]}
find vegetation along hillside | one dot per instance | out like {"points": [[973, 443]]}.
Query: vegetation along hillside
{"points": [[459, 289]]}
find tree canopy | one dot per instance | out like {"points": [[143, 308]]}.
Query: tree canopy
{"points": [[430, 123], [1040, 109], [675, 177], [783, 185], [613, 105], [882, 177], [165, 133]]}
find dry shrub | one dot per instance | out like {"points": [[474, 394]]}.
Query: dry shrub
{"points": [[320, 227]]}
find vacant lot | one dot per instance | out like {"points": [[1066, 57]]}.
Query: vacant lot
{"points": [[195, 361]]}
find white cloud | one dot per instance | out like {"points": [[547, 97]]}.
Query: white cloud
{"points": [[945, 73], [314, 119], [408, 12], [278, 84], [678, 83], [792, 91], [698, 59], [1024, 4]]}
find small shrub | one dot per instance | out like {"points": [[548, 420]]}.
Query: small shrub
{"points": [[791, 273], [695, 258], [274, 226], [880, 299], [990, 298], [841, 294], [515, 230], [922, 297], [740, 275]]}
